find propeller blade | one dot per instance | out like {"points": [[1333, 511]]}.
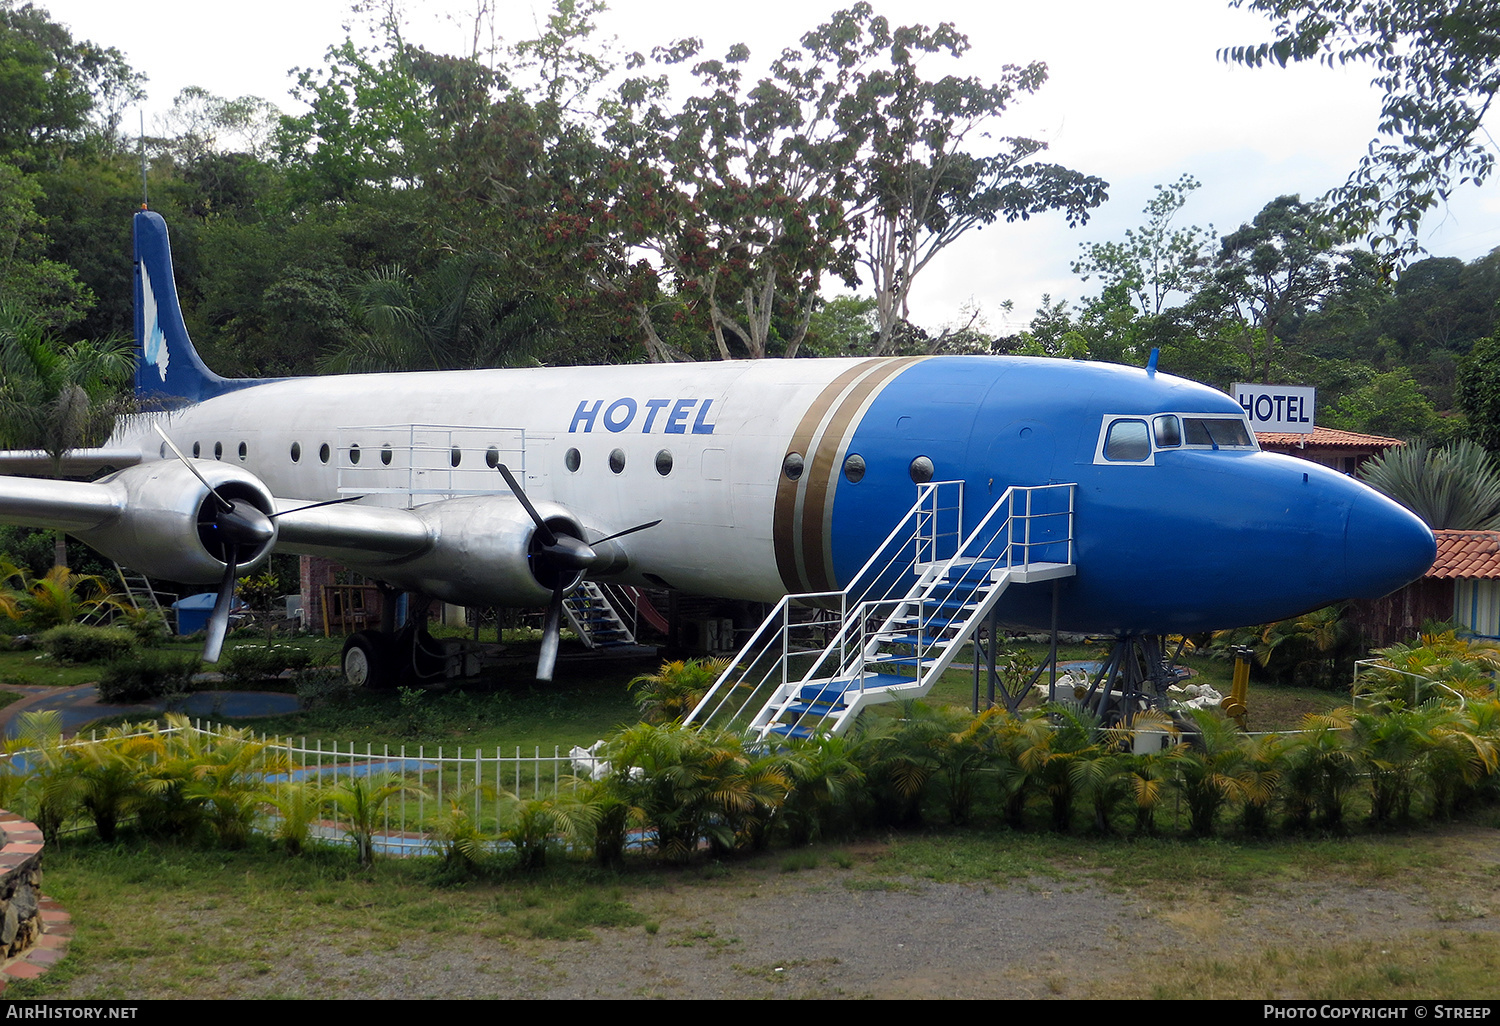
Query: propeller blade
{"points": [[223, 502], [548, 538], [315, 505], [218, 620], [551, 630], [621, 534]]}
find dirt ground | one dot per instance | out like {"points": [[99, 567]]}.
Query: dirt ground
{"points": [[854, 931]]}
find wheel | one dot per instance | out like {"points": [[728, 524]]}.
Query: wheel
{"points": [[367, 660]]}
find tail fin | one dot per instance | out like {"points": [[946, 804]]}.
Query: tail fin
{"points": [[168, 369]]}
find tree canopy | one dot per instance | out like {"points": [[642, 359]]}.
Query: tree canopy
{"points": [[1437, 62]]}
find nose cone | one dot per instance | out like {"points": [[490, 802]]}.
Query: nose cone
{"points": [[1386, 546]]}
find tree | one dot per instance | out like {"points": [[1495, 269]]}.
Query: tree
{"points": [[743, 193], [1270, 272], [1479, 391], [54, 90], [57, 397], [1437, 63], [920, 188], [1155, 261], [1389, 404]]}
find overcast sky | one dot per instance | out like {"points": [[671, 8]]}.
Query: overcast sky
{"points": [[1136, 96]]}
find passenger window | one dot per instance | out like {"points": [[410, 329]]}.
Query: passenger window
{"points": [[1127, 442], [1168, 432]]}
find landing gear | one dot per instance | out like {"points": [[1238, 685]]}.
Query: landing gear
{"points": [[382, 659], [368, 660]]}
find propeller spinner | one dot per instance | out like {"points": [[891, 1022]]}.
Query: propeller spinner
{"points": [[561, 559], [235, 528]]}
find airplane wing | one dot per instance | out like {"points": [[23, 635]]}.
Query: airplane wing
{"points": [[194, 521], [77, 463]]}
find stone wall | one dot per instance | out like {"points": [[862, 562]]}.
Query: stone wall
{"points": [[20, 885]]}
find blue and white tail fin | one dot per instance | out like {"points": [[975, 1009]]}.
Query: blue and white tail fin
{"points": [[168, 370]]}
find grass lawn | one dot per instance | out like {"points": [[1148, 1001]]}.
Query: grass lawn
{"points": [[1216, 919]]}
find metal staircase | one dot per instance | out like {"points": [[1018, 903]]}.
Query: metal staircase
{"points": [[892, 633], [594, 618]]}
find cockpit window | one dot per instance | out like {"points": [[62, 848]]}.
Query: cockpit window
{"points": [[1218, 432], [1127, 442], [1168, 432]]}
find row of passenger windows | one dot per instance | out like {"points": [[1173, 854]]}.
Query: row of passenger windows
{"points": [[572, 459], [1128, 440]]}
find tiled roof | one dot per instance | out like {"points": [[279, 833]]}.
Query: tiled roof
{"points": [[1467, 554], [1326, 438]]}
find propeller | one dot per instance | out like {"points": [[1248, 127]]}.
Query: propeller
{"points": [[563, 560], [238, 527]]}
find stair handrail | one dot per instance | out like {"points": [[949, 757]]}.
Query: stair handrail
{"points": [[928, 492], [854, 669]]}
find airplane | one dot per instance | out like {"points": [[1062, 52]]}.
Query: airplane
{"points": [[744, 480]]}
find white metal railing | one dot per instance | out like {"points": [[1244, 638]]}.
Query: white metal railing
{"points": [[781, 640], [436, 771], [1360, 665], [418, 463], [917, 559]]}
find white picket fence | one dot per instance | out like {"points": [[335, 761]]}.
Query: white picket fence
{"points": [[438, 772]]}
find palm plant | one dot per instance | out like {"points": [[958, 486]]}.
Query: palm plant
{"points": [[1207, 772], [1050, 757], [456, 316], [672, 691], [1390, 746], [111, 774], [58, 396], [1462, 753], [460, 840], [534, 825], [1319, 770], [825, 781], [1456, 487], [298, 804], [228, 782], [58, 597], [694, 785], [360, 801], [1259, 780], [1438, 665], [51, 787]]}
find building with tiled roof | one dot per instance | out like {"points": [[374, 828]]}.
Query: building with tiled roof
{"points": [[1463, 586], [1344, 451]]}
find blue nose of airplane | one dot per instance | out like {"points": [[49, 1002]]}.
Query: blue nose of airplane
{"points": [[1385, 546]]}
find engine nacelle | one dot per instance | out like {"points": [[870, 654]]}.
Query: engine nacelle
{"points": [[165, 524], [478, 553]]}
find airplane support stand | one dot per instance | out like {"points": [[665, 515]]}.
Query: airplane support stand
{"points": [[985, 647], [1134, 678]]}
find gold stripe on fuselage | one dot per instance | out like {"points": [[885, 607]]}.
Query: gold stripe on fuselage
{"points": [[803, 515]]}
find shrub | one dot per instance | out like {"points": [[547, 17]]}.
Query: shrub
{"points": [[147, 676], [75, 643], [323, 685], [246, 665]]}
